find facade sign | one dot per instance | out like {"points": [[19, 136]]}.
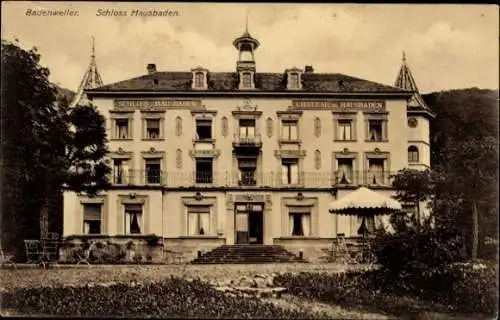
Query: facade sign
{"points": [[156, 104], [339, 106]]}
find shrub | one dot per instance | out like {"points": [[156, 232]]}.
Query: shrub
{"points": [[172, 298], [410, 249]]}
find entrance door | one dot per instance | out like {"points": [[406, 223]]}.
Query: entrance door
{"points": [[255, 223], [249, 223]]}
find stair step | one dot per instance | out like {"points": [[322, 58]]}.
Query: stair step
{"points": [[239, 254]]}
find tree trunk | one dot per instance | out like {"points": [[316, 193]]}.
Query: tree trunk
{"points": [[475, 231], [418, 217]]}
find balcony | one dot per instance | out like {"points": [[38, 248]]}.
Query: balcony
{"points": [[247, 141], [259, 179]]}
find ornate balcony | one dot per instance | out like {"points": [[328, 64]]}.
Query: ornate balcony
{"points": [[258, 179], [247, 141]]}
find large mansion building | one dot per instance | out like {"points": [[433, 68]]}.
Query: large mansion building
{"points": [[203, 158]]}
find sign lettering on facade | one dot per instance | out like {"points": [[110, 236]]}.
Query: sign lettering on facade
{"points": [[157, 104], [339, 106]]}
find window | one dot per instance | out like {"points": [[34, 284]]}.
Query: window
{"points": [[203, 129], [122, 129], [198, 220], [369, 226], [345, 174], [289, 129], [247, 129], [300, 221], [152, 128], [199, 80], [290, 171], [317, 127], [345, 130], [294, 81], [375, 130], [178, 126], [247, 168], [246, 80], [92, 218], [153, 171], [120, 171], [204, 172], [376, 171], [133, 218], [412, 154]]}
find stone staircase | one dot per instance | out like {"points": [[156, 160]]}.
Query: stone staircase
{"points": [[251, 253]]}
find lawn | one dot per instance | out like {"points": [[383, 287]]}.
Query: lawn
{"points": [[182, 291]]}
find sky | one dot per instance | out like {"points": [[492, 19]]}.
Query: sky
{"points": [[447, 46]]}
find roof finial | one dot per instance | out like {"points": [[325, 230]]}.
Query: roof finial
{"points": [[93, 47], [404, 56], [246, 22]]}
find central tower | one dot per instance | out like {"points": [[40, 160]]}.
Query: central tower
{"points": [[245, 66]]}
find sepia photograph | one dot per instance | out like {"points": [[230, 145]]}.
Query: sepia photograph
{"points": [[249, 160]]}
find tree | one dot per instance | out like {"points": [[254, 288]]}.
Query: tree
{"points": [[465, 163], [413, 186], [42, 141]]}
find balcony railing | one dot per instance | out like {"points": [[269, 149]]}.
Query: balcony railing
{"points": [[258, 179], [242, 140]]}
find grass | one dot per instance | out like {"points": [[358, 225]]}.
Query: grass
{"points": [[141, 291]]}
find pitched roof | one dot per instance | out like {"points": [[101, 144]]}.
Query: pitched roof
{"points": [[264, 82], [406, 81], [91, 79]]}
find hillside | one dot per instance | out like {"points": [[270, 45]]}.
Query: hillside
{"points": [[63, 93], [460, 115]]}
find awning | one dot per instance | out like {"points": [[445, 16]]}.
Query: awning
{"points": [[365, 202]]}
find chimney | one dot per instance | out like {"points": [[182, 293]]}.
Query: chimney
{"points": [[151, 68], [309, 69]]}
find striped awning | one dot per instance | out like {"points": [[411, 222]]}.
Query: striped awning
{"points": [[365, 202]]}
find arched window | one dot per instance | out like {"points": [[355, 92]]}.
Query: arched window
{"points": [[269, 126], [412, 154], [199, 80], [224, 126], [178, 126], [317, 159], [178, 158], [317, 127]]}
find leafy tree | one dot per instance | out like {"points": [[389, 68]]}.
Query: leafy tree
{"points": [[413, 186], [465, 163], [45, 145]]}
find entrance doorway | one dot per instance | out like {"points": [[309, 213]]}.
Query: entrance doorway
{"points": [[249, 223]]}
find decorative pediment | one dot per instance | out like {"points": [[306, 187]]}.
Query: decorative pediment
{"points": [[132, 198], [204, 153], [247, 109], [289, 153], [120, 153], [153, 153], [199, 200]]}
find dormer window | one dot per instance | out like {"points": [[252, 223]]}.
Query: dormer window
{"points": [[199, 78], [294, 81], [246, 80]]}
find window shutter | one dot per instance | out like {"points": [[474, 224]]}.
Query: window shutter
{"points": [[92, 212]]}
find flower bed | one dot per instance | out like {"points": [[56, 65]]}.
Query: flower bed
{"points": [[171, 298]]}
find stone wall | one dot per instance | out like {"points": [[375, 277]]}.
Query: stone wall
{"points": [[135, 249], [186, 248], [314, 250]]}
